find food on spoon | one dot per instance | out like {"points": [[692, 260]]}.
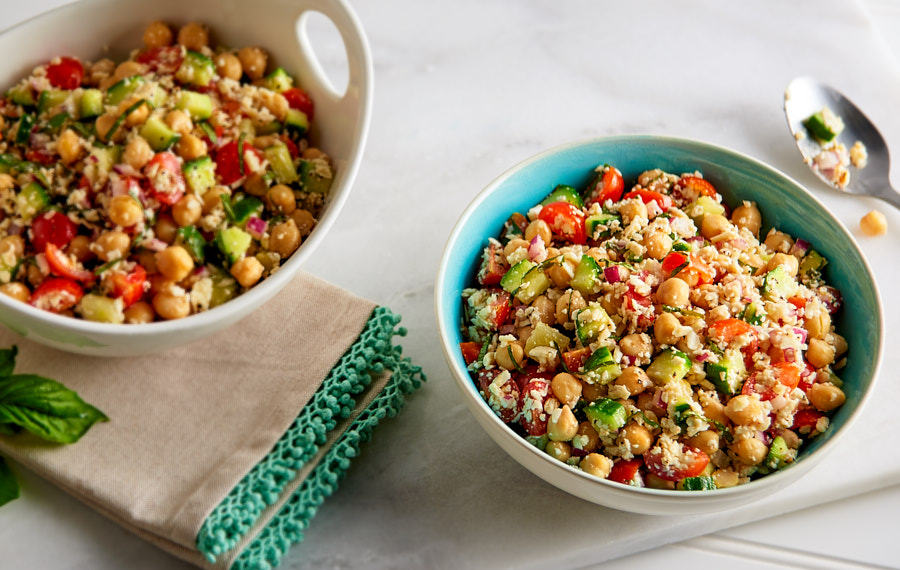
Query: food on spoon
{"points": [[158, 187], [873, 224], [833, 158], [824, 125], [643, 333]]}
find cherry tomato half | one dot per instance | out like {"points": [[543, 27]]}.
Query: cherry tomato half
{"points": [[227, 166], [56, 295], [67, 74], [699, 185], [663, 201], [166, 59], [624, 470], [565, 220], [504, 398], [63, 266], [470, 351], [691, 463], [165, 178], [52, 227], [298, 99], [129, 287], [610, 186], [534, 418], [493, 265]]}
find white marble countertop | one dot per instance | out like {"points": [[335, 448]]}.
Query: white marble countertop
{"points": [[464, 91]]}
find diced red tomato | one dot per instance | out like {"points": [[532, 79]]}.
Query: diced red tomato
{"points": [[691, 463], [291, 145], [219, 131], [298, 99], [532, 398], [469, 351], [624, 470], [56, 295], [565, 220], [785, 373], [52, 227], [807, 377], [67, 74], [575, 359], [610, 186], [636, 302], [673, 261], [499, 308], [699, 185], [166, 59], [505, 399], [493, 265], [727, 330], [805, 420], [664, 202], [165, 178], [63, 266], [830, 297], [798, 302], [130, 287], [227, 166], [681, 265], [40, 156]]}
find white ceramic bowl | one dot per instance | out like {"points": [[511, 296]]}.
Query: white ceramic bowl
{"points": [[783, 203], [92, 29]]}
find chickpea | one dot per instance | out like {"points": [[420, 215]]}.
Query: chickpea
{"points": [[159, 283], [111, 245], [713, 225], [16, 290], [104, 125], [674, 292], [304, 220], [247, 271], [778, 241], [744, 410], [791, 439], [128, 69], [634, 379], [637, 437], [560, 275], [137, 116], [284, 238], [179, 121], [820, 354], [590, 439], [80, 248], [562, 425], [654, 482], [137, 153], [636, 345], [228, 65], [873, 224], [510, 356], [786, 261], [818, 325], [158, 34], [281, 199], [275, 103], [187, 211], [840, 344], [597, 465], [170, 306], [825, 397], [747, 216], [212, 199], [559, 450], [139, 313], [725, 478], [538, 228], [566, 388], [254, 61], [69, 146], [666, 329], [256, 185], [751, 451], [658, 244], [190, 147], [124, 210], [311, 153], [633, 209], [544, 310], [175, 263], [6, 182], [568, 305], [706, 441], [147, 259], [165, 228], [592, 392], [193, 36], [14, 244]]}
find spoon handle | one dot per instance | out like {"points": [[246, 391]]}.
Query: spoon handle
{"points": [[889, 195]]}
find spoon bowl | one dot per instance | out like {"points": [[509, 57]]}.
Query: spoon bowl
{"points": [[805, 96]]}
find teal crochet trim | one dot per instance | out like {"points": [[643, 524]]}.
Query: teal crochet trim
{"points": [[288, 526], [371, 354]]}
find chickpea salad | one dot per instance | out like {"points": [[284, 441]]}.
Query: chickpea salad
{"points": [[649, 337], [158, 187]]}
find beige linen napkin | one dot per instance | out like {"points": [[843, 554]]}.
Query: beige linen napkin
{"points": [[201, 430]]}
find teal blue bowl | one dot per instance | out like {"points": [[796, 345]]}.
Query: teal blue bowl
{"points": [[784, 204]]}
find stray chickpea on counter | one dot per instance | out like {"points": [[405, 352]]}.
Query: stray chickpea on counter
{"points": [[647, 336], [158, 187]]}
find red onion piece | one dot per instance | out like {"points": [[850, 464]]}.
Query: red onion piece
{"points": [[831, 298], [155, 244], [766, 438], [42, 264], [790, 355], [201, 271], [694, 239], [657, 399], [703, 357], [613, 274], [801, 333], [15, 229], [256, 226], [800, 248], [507, 329], [536, 250], [128, 170]]}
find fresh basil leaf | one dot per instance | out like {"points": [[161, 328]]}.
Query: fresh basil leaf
{"points": [[9, 486], [8, 361], [46, 408]]}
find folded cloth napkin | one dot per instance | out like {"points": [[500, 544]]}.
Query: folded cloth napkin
{"points": [[221, 451]]}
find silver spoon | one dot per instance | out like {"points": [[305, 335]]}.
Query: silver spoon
{"points": [[805, 96]]}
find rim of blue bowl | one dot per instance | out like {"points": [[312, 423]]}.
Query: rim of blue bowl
{"points": [[464, 381]]}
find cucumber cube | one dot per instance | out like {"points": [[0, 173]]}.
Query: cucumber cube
{"points": [[813, 261], [606, 415], [31, 200], [91, 103], [158, 134], [564, 193], [587, 276], [21, 95], [512, 280], [701, 483], [50, 98], [533, 285], [598, 225], [298, 121], [824, 125], [728, 374], [23, 132], [121, 90], [778, 284], [779, 456], [196, 69], [591, 322], [545, 335], [200, 174], [702, 207], [198, 105], [600, 368], [101, 309], [282, 164], [224, 287], [279, 81], [311, 180], [669, 366], [233, 243]]}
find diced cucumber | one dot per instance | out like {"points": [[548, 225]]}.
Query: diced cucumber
{"points": [[824, 125], [51, 98], [21, 94], [681, 246], [233, 243], [196, 69], [727, 375], [158, 134], [587, 276], [778, 284], [598, 225], [200, 174], [26, 123], [703, 206], [282, 164], [545, 335], [534, 284], [512, 279], [600, 368], [91, 103], [198, 105], [31, 200], [224, 288], [54, 125], [193, 242], [563, 193], [243, 207], [701, 483], [606, 415], [779, 455], [590, 322], [101, 309], [269, 128], [813, 261], [311, 180], [671, 365], [539, 441], [9, 164], [106, 157], [753, 314], [7, 271], [121, 90], [279, 81], [297, 120]]}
